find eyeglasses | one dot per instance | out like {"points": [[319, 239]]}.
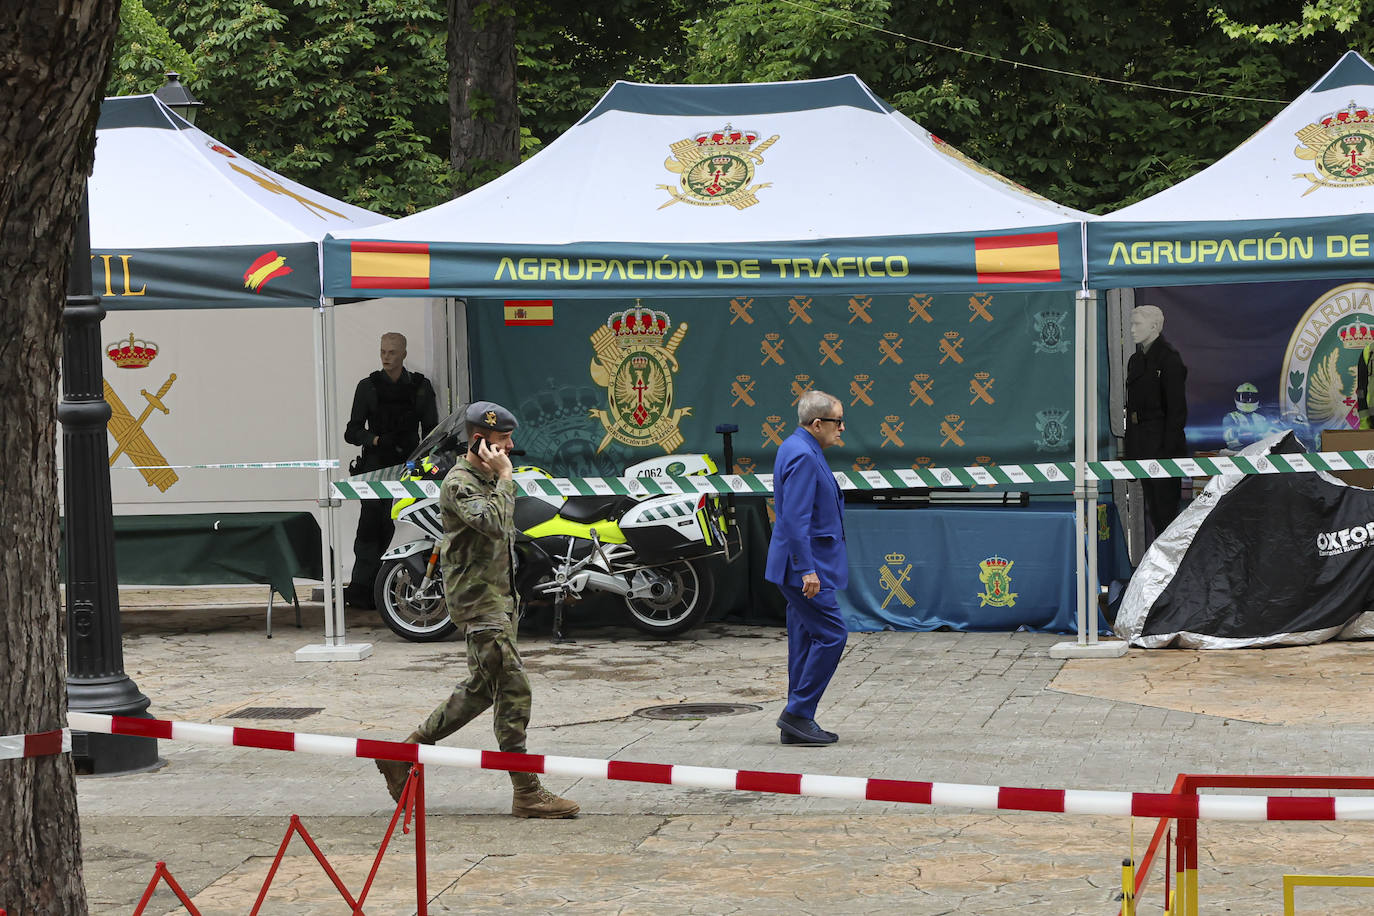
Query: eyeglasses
{"points": [[838, 421]]}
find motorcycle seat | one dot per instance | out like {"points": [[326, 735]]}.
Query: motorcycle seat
{"points": [[588, 509]]}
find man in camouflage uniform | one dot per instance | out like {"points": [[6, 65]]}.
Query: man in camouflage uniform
{"points": [[477, 502]]}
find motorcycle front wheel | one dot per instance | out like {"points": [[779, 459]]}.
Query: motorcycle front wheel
{"points": [[410, 615], [681, 600]]}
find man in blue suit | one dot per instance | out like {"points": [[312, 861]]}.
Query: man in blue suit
{"points": [[807, 561]]}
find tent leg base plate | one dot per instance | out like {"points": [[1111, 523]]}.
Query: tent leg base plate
{"points": [[1111, 649], [351, 652]]}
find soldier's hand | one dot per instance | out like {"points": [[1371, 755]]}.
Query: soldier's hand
{"points": [[496, 460]]}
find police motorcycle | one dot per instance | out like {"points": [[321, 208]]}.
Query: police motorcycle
{"points": [[650, 551]]}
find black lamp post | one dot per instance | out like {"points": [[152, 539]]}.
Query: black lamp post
{"points": [[178, 98], [96, 682]]}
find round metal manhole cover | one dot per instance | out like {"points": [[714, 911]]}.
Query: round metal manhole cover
{"points": [[696, 710]]}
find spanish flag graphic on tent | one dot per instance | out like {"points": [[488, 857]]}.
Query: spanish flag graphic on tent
{"points": [[1028, 258], [266, 268], [389, 265]]}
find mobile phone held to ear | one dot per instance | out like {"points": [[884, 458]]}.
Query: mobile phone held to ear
{"points": [[473, 446]]}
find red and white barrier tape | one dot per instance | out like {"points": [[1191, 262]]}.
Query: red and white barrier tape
{"points": [[43, 744], [1066, 801]]}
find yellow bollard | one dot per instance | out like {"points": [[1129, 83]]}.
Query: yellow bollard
{"points": [[1127, 887]]}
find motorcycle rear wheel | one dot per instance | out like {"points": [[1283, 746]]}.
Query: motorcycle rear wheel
{"points": [[684, 605], [409, 617]]}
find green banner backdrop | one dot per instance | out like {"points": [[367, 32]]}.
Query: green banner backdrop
{"points": [[926, 380]]}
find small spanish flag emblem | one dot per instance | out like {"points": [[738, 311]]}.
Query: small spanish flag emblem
{"points": [[529, 311], [1031, 258], [390, 265], [268, 267]]}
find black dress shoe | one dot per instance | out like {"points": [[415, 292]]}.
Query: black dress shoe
{"points": [[804, 732]]}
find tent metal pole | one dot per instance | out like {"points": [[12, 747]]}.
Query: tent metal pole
{"points": [[336, 646], [1080, 469], [1085, 495], [1090, 411]]}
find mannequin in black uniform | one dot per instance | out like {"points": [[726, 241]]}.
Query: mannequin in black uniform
{"points": [[392, 409], [1156, 411]]}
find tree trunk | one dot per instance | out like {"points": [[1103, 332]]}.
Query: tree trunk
{"points": [[52, 66], [484, 119]]}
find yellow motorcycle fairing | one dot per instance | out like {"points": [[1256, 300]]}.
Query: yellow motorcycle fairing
{"points": [[607, 532]]}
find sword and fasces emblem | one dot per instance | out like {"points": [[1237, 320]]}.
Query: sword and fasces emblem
{"points": [[949, 347], [980, 386], [920, 386], [742, 388], [130, 437], [772, 430], [950, 427], [858, 309], [888, 347], [801, 384], [800, 307], [919, 307], [860, 388], [772, 349], [739, 310], [894, 583], [636, 366], [978, 306], [890, 427], [830, 348], [717, 167]]}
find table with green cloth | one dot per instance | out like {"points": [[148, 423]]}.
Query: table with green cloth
{"points": [[272, 548]]}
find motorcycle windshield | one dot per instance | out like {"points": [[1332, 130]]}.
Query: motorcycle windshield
{"points": [[449, 428]]}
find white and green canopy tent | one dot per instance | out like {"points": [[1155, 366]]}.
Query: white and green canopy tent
{"points": [[1294, 201], [764, 188], [708, 192], [209, 267]]}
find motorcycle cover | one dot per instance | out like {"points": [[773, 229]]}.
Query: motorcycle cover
{"points": [[1260, 560]]}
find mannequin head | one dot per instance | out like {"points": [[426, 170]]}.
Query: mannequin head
{"points": [[1247, 397], [1147, 321]]}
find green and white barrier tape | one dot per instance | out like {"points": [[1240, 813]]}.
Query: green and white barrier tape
{"points": [[902, 478], [320, 464]]}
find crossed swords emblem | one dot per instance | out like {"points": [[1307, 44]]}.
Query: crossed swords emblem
{"points": [[772, 430], [860, 391], [742, 386], [919, 307], [979, 308], [981, 392], [130, 437], [771, 350], [830, 351], [921, 392], [739, 310], [951, 430], [950, 348], [889, 347], [801, 386], [798, 306], [858, 309], [894, 583], [890, 428]]}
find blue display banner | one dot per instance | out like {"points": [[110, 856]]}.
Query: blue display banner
{"points": [[969, 568], [1267, 356]]}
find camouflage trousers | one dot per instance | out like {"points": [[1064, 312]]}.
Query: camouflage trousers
{"points": [[496, 677]]}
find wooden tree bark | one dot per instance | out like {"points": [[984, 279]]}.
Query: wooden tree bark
{"points": [[53, 57], [484, 118]]}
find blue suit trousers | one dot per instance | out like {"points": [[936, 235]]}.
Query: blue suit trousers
{"points": [[816, 634]]}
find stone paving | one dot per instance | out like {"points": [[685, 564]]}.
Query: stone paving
{"points": [[989, 708]]}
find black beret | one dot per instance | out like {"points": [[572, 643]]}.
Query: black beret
{"points": [[490, 415]]}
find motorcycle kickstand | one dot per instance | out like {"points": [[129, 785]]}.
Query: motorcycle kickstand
{"points": [[558, 637]]}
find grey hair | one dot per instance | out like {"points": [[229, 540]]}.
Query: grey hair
{"points": [[814, 404], [395, 335]]}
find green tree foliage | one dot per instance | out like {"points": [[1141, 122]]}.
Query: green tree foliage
{"points": [[144, 53], [1092, 144], [346, 96], [1355, 18]]}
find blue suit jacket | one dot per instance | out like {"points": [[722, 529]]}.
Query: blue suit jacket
{"points": [[808, 532]]}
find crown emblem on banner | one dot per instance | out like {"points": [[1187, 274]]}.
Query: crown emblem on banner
{"points": [[1357, 335], [726, 137], [997, 563], [638, 327], [892, 559], [1351, 114], [132, 353]]}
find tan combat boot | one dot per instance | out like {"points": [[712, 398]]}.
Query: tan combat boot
{"points": [[397, 772], [533, 800]]}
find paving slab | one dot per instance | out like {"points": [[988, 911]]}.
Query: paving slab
{"points": [[983, 708]]}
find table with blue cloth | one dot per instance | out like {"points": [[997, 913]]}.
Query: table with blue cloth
{"points": [[969, 568]]}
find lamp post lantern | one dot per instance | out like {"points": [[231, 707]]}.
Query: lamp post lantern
{"points": [[178, 98]]}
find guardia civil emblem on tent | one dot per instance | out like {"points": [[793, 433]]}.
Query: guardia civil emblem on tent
{"points": [[636, 366]]}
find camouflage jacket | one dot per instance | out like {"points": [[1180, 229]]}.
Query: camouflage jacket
{"points": [[479, 542]]}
